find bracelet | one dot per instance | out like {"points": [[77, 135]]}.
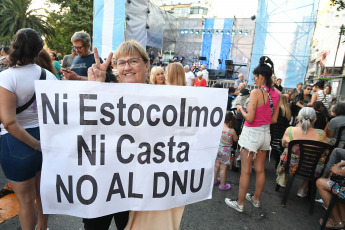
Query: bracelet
{"points": [[38, 146]]}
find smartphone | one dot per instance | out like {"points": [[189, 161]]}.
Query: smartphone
{"points": [[64, 69]]}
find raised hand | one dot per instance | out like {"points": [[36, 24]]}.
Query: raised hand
{"points": [[97, 72]]}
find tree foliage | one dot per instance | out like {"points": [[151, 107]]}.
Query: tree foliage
{"points": [[15, 14], [339, 3], [72, 16]]}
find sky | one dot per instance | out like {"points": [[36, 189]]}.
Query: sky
{"points": [[222, 8], [238, 8]]}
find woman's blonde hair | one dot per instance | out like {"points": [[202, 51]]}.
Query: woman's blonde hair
{"points": [[154, 71], [284, 106], [175, 74], [130, 48]]}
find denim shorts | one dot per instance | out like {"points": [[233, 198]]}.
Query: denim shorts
{"points": [[255, 138], [19, 161]]}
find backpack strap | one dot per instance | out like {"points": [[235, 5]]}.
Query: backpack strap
{"points": [[270, 98], [33, 98]]}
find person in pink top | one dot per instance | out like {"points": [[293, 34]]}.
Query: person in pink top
{"points": [[255, 137]]}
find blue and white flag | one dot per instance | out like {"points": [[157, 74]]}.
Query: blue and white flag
{"points": [[108, 25], [217, 42]]}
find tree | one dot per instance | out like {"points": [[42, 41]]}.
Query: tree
{"points": [[15, 14], [339, 3], [73, 16]]}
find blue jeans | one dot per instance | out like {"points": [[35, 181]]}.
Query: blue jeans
{"points": [[19, 161]]}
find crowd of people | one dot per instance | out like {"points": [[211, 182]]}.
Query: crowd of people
{"points": [[306, 113]]}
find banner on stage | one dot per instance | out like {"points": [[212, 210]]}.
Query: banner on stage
{"points": [[115, 147]]}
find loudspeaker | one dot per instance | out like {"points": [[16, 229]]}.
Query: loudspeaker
{"points": [[228, 62], [212, 72], [219, 61], [221, 73], [202, 58]]}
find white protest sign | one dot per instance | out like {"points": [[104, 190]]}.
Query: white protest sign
{"points": [[115, 147]]}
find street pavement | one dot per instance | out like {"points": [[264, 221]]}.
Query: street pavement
{"points": [[215, 214]]}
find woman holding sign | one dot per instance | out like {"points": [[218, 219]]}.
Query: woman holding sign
{"points": [[255, 137], [20, 154], [133, 66]]}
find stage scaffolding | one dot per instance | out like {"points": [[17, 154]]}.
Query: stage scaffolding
{"points": [[284, 31]]}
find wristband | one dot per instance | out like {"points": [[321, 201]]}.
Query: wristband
{"points": [[38, 146]]}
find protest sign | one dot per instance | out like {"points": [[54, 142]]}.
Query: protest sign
{"points": [[115, 147]]}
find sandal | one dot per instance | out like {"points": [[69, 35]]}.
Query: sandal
{"points": [[4, 192], [216, 181], [225, 187], [331, 225]]}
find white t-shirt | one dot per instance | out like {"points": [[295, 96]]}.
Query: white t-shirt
{"points": [[20, 80], [205, 75], [189, 77]]}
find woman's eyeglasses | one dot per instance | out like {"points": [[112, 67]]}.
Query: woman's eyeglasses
{"points": [[133, 62]]}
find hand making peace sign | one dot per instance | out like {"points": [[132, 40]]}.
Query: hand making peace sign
{"points": [[97, 72]]}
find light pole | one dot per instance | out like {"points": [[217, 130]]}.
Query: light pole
{"points": [[342, 32]]}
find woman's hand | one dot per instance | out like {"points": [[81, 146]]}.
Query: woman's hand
{"points": [[97, 72], [239, 108]]}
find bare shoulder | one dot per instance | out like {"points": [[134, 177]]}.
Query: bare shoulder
{"points": [[255, 92]]}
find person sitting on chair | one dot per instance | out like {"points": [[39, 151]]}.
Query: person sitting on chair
{"points": [[303, 131], [327, 188]]}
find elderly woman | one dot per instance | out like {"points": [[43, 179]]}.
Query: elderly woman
{"points": [[157, 76], [200, 81], [304, 131], [133, 65], [20, 155], [255, 137]]}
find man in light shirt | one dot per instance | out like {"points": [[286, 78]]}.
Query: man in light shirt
{"points": [[239, 80], [189, 76]]}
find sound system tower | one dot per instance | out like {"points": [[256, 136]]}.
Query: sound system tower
{"points": [[229, 68]]}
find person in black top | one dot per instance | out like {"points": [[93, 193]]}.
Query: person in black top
{"points": [[321, 118], [152, 57], [175, 58], [182, 59], [278, 85]]}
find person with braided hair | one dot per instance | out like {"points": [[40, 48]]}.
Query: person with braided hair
{"points": [[255, 137], [303, 131]]}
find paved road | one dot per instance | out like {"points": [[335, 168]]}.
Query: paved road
{"points": [[215, 214]]}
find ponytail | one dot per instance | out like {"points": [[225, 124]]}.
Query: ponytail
{"points": [[266, 69], [306, 118]]}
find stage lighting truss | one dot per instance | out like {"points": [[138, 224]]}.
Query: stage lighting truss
{"points": [[214, 32]]}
